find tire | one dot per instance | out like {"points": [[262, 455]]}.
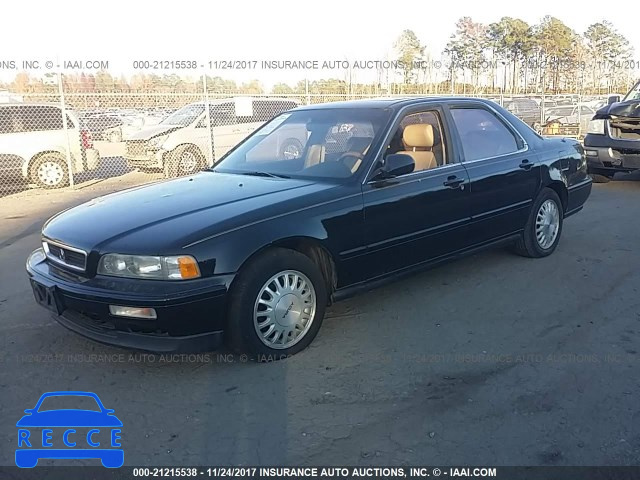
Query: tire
{"points": [[291, 149], [184, 160], [530, 244], [115, 136], [249, 295], [50, 171], [597, 178]]}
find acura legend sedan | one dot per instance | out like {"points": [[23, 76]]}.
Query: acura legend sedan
{"points": [[252, 251]]}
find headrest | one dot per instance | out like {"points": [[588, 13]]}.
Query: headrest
{"points": [[418, 135]]}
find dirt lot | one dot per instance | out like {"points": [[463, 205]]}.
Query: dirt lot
{"points": [[495, 359]]}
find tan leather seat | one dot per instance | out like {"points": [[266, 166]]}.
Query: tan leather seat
{"points": [[418, 141], [315, 155]]}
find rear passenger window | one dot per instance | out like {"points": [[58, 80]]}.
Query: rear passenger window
{"points": [[6, 125], [483, 135], [39, 118]]}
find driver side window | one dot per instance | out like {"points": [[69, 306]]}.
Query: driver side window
{"points": [[420, 136]]}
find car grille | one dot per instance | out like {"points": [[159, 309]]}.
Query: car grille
{"points": [[136, 148], [63, 255]]}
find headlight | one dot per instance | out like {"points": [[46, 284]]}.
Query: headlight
{"points": [[157, 142], [182, 267], [596, 127]]}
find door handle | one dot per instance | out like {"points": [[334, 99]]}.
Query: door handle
{"points": [[453, 182], [526, 164]]}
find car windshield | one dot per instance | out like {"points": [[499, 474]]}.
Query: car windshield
{"points": [[184, 116], [634, 93], [327, 143], [69, 402]]}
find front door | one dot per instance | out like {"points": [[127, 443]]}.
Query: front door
{"points": [[423, 215]]}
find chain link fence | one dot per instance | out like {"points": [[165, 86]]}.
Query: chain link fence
{"points": [[59, 140]]}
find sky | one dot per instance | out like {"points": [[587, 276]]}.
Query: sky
{"points": [[122, 32]]}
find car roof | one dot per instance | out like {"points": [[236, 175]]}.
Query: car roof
{"points": [[218, 101], [394, 103]]}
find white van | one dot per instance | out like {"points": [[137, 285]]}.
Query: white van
{"points": [[183, 143], [33, 145]]}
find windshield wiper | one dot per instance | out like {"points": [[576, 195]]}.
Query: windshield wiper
{"points": [[264, 174]]}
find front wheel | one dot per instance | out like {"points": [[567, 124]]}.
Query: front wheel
{"points": [[543, 228], [277, 305], [115, 136], [184, 160]]}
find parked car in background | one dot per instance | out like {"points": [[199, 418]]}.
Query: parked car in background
{"points": [[34, 144], [252, 251], [612, 143], [103, 127], [576, 115], [182, 143], [526, 109]]}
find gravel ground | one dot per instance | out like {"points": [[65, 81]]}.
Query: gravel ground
{"points": [[494, 359]]}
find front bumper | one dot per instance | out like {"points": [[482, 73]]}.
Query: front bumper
{"points": [[152, 159], [190, 317], [606, 155]]}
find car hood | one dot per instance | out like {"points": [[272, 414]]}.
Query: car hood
{"points": [[150, 132], [161, 218], [69, 418], [629, 109]]}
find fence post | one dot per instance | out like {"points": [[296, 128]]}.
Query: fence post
{"points": [[306, 88], [542, 109], [208, 117], [63, 108], [579, 107]]}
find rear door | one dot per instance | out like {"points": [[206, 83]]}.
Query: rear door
{"points": [[504, 172], [11, 153]]}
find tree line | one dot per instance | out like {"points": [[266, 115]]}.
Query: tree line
{"points": [[508, 56]]}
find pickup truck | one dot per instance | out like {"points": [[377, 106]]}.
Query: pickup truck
{"points": [[612, 143]]}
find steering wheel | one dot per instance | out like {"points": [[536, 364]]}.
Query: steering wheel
{"points": [[354, 154], [351, 154]]}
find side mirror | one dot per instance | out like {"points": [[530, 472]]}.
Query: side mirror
{"points": [[613, 99], [29, 410], [397, 164]]}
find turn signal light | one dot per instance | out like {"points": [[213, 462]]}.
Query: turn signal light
{"points": [[188, 267]]}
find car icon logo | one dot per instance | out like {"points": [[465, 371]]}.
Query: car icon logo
{"points": [[91, 432], [61, 255]]}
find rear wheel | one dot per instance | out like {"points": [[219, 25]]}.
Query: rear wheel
{"points": [[543, 228], [50, 171], [277, 305]]}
